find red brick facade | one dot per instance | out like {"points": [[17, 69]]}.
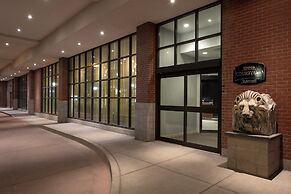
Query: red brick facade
{"points": [[258, 31], [146, 63]]}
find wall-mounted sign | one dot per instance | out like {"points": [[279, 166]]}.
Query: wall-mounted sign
{"points": [[249, 73]]}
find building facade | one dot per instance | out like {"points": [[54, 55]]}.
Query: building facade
{"points": [[173, 80]]}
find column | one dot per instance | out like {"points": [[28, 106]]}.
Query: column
{"points": [[37, 90], [62, 101], [30, 92], [15, 93], [146, 91], [3, 94]]}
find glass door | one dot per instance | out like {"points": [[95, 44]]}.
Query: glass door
{"points": [[189, 109]]}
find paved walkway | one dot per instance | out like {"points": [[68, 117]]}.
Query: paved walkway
{"points": [[35, 161], [164, 168]]}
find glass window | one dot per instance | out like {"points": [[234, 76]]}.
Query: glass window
{"points": [[166, 57], [88, 74], [82, 75], [104, 53], [96, 72], [133, 45], [88, 109], [96, 109], [133, 102], [209, 48], [104, 87], [114, 50], [89, 58], [133, 87], [172, 123], [96, 56], [113, 111], [124, 112], [96, 89], [186, 28], [89, 89], [210, 89], [170, 96], [114, 69], [104, 71], [113, 88], [166, 34], [124, 87], [193, 98], [124, 47], [77, 62], [186, 53], [82, 90], [209, 21], [83, 63], [133, 68], [104, 110], [124, 67], [82, 108]]}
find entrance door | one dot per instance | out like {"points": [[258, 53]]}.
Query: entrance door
{"points": [[189, 109]]}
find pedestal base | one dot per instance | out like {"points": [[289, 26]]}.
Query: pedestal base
{"points": [[254, 154]]}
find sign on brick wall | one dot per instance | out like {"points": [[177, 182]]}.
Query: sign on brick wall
{"points": [[249, 73]]}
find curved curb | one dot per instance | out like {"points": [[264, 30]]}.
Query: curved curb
{"points": [[107, 155]]}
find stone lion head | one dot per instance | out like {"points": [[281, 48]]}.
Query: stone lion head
{"points": [[254, 113]]}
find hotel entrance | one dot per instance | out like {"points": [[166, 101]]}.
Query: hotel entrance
{"points": [[189, 109], [188, 79]]}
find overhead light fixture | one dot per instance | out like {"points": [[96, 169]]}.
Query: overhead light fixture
{"points": [[102, 33], [63, 51], [43, 60], [7, 43], [14, 73], [11, 75], [18, 30], [204, 53], [34, 64], [112, 51], [172, 1], [27, 67], [209, 20], [19, 71], [29, 16], [186, 25], [79, 44]]}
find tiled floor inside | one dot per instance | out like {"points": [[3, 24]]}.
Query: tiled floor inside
{"points": [[163, 168]]}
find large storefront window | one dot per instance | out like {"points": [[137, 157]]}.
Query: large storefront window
{"points": [[188, 69], [102, 83], [22, 92], [50, 77]]}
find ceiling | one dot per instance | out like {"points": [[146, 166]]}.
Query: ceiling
{"points": [[60, 24]]}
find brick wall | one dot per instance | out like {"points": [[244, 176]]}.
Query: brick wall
{"points": [[258, 31], [146, 63], [3, 94]]}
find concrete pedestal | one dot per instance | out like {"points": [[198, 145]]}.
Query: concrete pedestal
{"points": [[254, 154]]}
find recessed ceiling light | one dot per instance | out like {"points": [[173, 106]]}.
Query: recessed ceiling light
{"points": [[112, 51], [7, 43], [19, 71], [27, 67], [172, 1], [186, 25], [14, 73], [29, 16], [79, 44], [34, 64], [102, 33], [11, 75], [43, 60], [63, 51], [18, 30], [204, 53], [209, 20]]}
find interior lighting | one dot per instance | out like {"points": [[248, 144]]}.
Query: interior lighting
{"points": [[79, 44], [186, 25], [34, 64], [204, 53], [29, 16], [63, 51], [18, 30], [7, 43], [209, 20], [102, 33], [27, 67]]}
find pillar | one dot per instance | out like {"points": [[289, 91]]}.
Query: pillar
{"points": [[15, 83], [62, 101], [146, 91], [30, 92], [37, 90], [3, 94]]}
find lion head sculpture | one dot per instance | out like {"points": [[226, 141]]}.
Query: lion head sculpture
{"points": [[254, 113]]}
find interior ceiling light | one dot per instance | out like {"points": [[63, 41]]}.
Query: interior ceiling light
{"points": [[204, 53], [172, 1], [29, 16], [18, 30], [7, 43], [209, 20], [27, 67], [102, 33], [186, 25], [79, 44]]}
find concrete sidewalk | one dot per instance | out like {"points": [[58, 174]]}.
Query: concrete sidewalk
{"points": [[164, 168], [35, 161]]}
